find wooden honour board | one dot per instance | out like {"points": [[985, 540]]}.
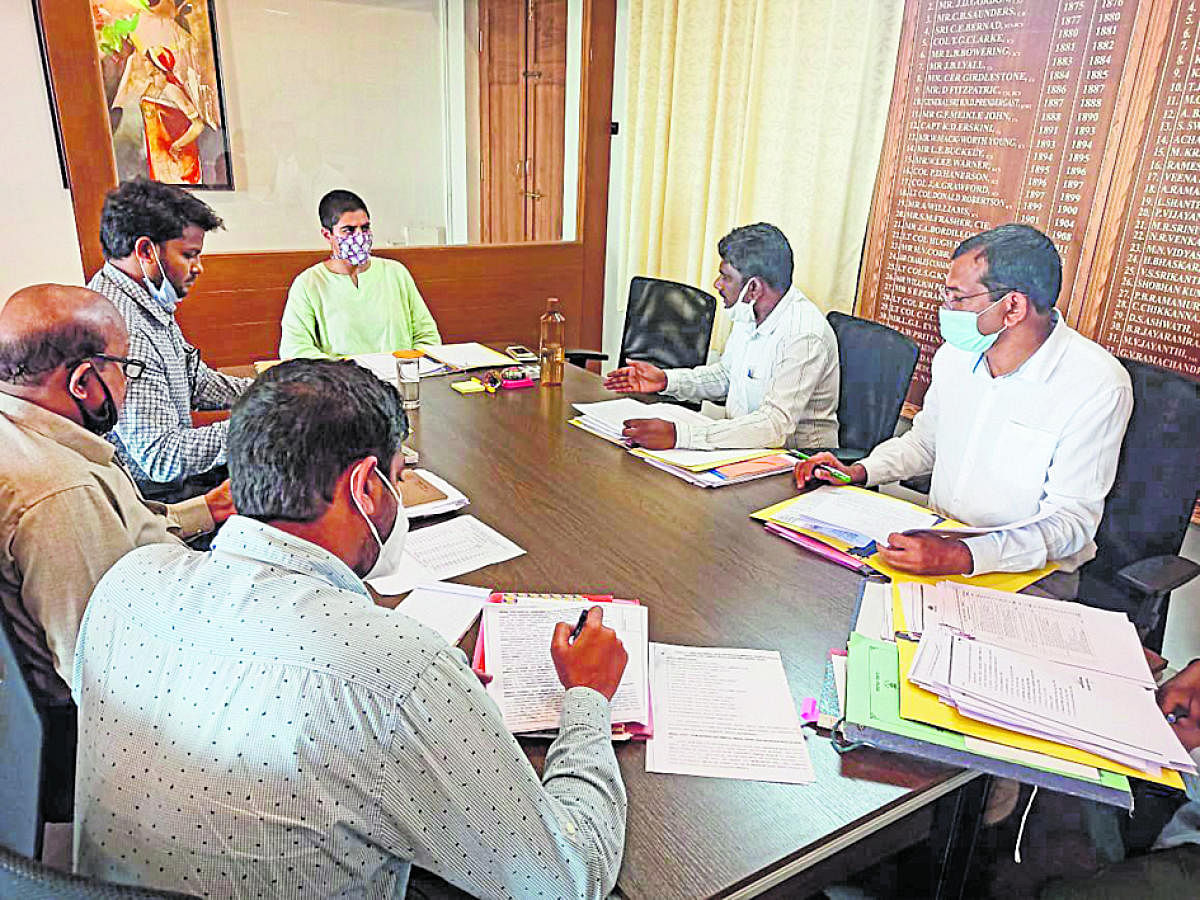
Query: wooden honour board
{"points": [[1080, 117]]}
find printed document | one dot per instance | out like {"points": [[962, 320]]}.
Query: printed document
{"points": [[446, 550], [525, 683], [724, 713], [449, 609], [860, 511]]}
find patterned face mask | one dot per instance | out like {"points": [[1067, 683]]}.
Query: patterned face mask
{"points": [[355, 248]]}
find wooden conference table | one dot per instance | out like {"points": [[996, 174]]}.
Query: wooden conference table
{"points": [[593, 518]]}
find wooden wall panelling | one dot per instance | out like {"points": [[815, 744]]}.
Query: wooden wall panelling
{"points": [[484, 292]]}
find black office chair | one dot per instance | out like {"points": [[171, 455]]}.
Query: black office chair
{"points": [[28, 879], [877, 364], [37, 746], [666, 323], [1146, 514]]}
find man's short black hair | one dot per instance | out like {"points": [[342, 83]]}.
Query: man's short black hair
{"points": [[759, 251], [31, 357], [297, 429], [336, 204], [145, 208], [1019, 258]]}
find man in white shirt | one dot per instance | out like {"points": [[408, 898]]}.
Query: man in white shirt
{"points": [[1024, 419], [251, 723], [778, 375]]}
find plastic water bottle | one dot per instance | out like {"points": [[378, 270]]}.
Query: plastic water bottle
{"points": [[552, 337]]}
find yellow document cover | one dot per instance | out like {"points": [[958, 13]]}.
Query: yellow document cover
{"points": [[920, 705]]}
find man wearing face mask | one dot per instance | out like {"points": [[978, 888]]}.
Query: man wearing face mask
{"points": [[778, 375], [152, 235], [68, 510], [353, 302], [1024, 418], [322, 743]]}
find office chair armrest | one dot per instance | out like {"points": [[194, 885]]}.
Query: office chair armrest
{"points": [[583, 357], [1157, 575]]}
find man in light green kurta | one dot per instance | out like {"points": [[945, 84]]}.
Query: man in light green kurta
{"points": [[353, 302]]}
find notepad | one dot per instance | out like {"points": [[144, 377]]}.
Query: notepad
{"points": [[472, 355]]}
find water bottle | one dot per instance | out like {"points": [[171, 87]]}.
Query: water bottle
{"points": [[553, 335]]}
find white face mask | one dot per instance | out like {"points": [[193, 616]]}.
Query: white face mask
{"points": [[742, 309], [391, 551]]}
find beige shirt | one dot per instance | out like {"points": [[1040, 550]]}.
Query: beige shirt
{"points": [[68, 511]]}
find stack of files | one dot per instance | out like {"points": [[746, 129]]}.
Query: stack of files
{"points": [[856, 522], [514, 648], [1113, 716], [705, 468], [383, 366], [446, 550], [873, 715], [425, 494], [464, 357]]}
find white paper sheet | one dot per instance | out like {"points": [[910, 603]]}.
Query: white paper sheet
{"points": [[613, 413], [524, 682], [872, 619], [724, 713], [383, 365], [864, 512], [449, 609], [446, 550]]}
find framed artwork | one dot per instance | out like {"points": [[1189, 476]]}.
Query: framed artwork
{"points": [[161, 70]]}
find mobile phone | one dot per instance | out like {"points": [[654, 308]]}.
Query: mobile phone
{"points": [[521, 353]]}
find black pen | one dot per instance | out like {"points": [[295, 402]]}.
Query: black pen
{"points": [[579, 627]]}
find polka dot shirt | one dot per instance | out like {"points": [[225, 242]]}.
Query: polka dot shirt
{"points": [[252, 725]]}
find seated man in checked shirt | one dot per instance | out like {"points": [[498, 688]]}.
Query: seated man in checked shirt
{"points": [[252, 724], [152, 235], [778, 376], [1024, 418]]}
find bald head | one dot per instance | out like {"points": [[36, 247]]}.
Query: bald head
{"points": [[48, 325]]}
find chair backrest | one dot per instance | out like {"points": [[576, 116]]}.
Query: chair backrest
{"points": [[667, 323], [877, 364], [29, 879], [21, 738], [1158, 475]]}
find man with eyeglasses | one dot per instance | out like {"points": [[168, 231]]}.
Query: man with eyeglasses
{"points": [[68, 509], [152, 235], [1023, 420]]}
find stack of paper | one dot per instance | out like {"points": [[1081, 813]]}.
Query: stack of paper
{"points": [[724, 713], [425, 494], [607, 418], [525, 685], [383, 366], [463, 357], [446, 550], [449, 609], [1109, 715]]}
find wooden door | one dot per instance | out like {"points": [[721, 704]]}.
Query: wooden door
{"points": [[522, 109]]}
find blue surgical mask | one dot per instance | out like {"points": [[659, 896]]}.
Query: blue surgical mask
{"points": [[960, 328], [164, 295]]}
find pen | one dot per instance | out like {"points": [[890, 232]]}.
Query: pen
{"points": [[579, 626], [1176, 714], [840, 476]]}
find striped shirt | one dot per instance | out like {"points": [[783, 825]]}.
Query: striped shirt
{"points": [[154, 436], [251, 724]]}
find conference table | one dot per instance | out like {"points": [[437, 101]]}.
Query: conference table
{"points": [[593, 518]]}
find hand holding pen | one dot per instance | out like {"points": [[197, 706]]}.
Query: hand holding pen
{"points": [[589, 655], [1179, 700], [825, 468]]}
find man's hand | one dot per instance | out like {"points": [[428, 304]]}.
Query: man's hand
{"points": [[596, 659], [653, 434], [815, 470], [220, 502], [927, 553], [636, 378], [1181, 696]]}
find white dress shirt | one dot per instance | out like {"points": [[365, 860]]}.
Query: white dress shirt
{"points": [[778, 381], [251, 724], [1042, 439]]}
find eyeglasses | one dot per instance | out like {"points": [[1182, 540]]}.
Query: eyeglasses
{"points": [[133, 368], [948, 297]]}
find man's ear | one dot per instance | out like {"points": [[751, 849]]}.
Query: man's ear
{"points": [[363, 487], [142, 249], [79, 380], [1020, 308]]}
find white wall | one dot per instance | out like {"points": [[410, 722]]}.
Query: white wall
{"points": [[324, 94], [39, 234]]}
